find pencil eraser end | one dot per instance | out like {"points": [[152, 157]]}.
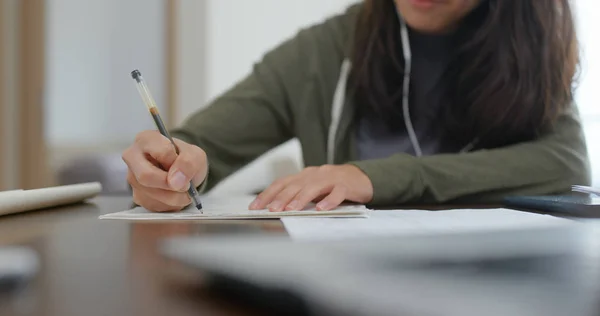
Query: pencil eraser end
{"points": [[136, 74]]}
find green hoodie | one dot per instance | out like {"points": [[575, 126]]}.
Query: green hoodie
{"points": [[298, 90]]}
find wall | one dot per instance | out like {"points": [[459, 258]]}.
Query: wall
{"points": [[587, 24], [589, 81], [91, 102], [23, 163], [9, 90], [191, 74], [242, 31]]}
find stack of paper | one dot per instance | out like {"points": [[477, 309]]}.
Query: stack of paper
{"points": [[221, 207], [403, 222]]}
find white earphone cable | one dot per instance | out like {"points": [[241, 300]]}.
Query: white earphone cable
{"points": [[406, 87]]}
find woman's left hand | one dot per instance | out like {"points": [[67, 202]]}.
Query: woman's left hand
{"points": [[330, 185]]}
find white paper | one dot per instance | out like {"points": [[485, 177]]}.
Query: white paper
{"points": [[226, 207], [404, 222], [586, 189], [17, 201]]}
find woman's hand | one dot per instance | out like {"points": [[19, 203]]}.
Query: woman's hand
{"points": [[330, 185], [158, 176]]}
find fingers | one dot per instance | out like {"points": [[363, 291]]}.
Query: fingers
{"points": [[190, 164], [158, 147], [308, 194], [157, 200], [158, 189], [142, 199], [143, 171], [295, 197], [268, 195], [295, 192], [147, 155], [284, 197], [333, 200], [199, 177], [172, 198]]}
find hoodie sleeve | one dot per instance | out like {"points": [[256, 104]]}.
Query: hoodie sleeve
{"points": [[548, 165]]}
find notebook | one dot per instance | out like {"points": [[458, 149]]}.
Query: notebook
{"points": [[227, 207], [17, 201]]}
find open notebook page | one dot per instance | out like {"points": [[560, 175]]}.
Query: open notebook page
{"points": [[233, 207]]}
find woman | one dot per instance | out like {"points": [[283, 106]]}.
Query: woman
{"points": [[405, 101]]}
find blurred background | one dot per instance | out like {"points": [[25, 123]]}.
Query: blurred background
{"points": [[69, 107]]}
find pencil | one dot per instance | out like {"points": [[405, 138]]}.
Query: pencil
{"points": [[153, 109]]}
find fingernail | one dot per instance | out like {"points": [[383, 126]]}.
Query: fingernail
{"points": [[322, 206], [292, 206], [275, 207], [254, 204], [178, 181]]}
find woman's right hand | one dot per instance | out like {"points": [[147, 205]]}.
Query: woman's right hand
{"points": [[158, 176]]}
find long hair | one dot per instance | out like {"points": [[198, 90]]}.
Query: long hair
{"points": [[510, 76]]}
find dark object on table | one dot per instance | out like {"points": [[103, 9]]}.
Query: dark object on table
{"points": [[18, 265], [580, 206]]}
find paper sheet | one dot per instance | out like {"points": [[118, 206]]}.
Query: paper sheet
{"points": [[224, 207], [403, 222], [586, 189], [17, 201]]}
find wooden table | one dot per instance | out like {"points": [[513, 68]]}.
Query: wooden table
{"points": [[101, 267]]}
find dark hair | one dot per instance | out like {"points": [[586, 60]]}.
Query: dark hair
{"points": [[511, 75]]}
